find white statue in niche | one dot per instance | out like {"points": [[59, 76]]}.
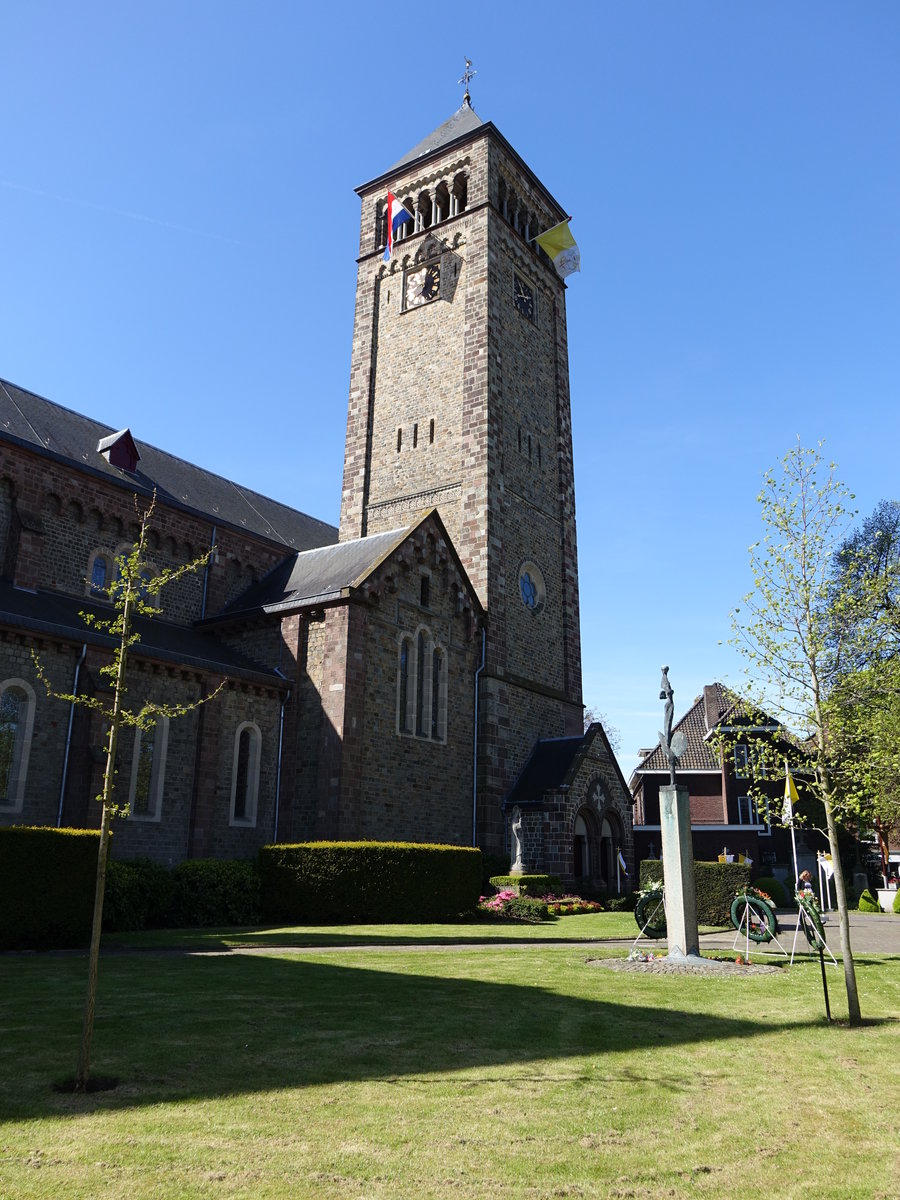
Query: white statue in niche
{"points": [[517, 867]]}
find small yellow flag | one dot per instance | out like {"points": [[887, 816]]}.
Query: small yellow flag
{"points": [[790, 796], [562, 248]]}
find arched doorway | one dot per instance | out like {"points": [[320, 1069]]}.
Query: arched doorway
{"points": [[610, 848], [585, 845]]}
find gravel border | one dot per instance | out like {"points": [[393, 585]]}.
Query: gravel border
{"points": [[666, 966]]}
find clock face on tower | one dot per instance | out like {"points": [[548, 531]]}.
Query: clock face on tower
{"points": [[523, 297], [423, 284]]}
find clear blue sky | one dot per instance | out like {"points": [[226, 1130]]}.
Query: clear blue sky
{"points": [[178, 229]]}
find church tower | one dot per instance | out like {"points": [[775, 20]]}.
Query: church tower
{"points": [[459, 400]]}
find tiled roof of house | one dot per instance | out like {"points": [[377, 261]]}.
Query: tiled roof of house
{"points": [[60, 433], [714, 709], [705, 714]]}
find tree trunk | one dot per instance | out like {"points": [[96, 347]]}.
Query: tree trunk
{"points": [[83, 1068], [843, 919]]}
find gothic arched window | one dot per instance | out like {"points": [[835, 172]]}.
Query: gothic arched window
{"points": [[404, 668], [99, 575], [16, 725], [245, 774], [148, 769]]}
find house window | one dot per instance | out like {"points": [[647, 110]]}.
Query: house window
{"points": [[758, 759], [245, 775], [16, 725], [754, 812], [741, 762], [99, 575], [148, 769]]}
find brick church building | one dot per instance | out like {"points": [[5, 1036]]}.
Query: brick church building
{"points": [[414, 674]]}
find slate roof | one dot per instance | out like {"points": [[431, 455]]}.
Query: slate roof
{"points": [[50, 429], [464, 121], [547, 768], [50, 613], [554, 763], [317, 576]]}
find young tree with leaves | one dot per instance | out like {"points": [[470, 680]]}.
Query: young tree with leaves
{"points": [[798, 632], [130, 594]]}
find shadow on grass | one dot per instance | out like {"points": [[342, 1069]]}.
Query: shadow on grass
{"points": [[197, 1027]]}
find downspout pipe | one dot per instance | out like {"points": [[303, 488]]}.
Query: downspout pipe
{"points": [[65, 767], [212, 550], [284, 702], [475, 742]]}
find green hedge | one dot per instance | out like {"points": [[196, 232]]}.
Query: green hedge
{"points": [[869, 903], [526, 885], [141, 894], [896, 905], [47, 881], [772, 887], [211, 891], [715, 882], [319, 882]]}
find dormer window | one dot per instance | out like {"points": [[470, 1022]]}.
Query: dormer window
{"points": [[119, 450]]}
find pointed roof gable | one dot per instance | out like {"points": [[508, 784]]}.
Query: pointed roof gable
{"points": [[554, 763], [464, 121], [331, 573], [715, 709]]}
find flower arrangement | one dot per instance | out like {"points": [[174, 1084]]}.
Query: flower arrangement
{"points": [[756, 894], [567, 906], [646, 956]]}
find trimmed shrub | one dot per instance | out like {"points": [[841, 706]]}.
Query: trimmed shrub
{"points": [[319, 882], [715, 883], [47, 882], [526, 885], [869, 903], [770, 885], [624, 903], [527, 908], [138, 895], [212, 891], [896, 905]]}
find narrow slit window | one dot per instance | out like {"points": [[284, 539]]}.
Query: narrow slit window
{"points": [[399, 438], [415, 435], [431, 431]]}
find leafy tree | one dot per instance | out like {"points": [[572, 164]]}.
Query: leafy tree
{"points": [[130, 594], [592, 715], [798, 632], [863, 708]]}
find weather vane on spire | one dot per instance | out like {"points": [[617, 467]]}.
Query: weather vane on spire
{"points": [[465, 79]]}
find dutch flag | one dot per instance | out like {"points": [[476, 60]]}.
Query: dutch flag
{"points": [[397, 215]]}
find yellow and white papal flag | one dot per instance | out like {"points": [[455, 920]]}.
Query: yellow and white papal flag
{"points": [[790, 796], [562, 248]]}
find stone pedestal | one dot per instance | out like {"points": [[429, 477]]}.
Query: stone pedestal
{"points": [[678, 871]]}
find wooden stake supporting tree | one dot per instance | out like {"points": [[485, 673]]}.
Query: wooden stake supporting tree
{"points": [[129, 594]]}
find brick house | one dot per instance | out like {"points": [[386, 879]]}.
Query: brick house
{"points": [[724, 815], [387, 679]]}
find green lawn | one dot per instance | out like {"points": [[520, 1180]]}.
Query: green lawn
{"points": [[495, 1071], [587, 927]]}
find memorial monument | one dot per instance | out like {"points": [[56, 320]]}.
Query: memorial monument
{"points": [[677, 850]]}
